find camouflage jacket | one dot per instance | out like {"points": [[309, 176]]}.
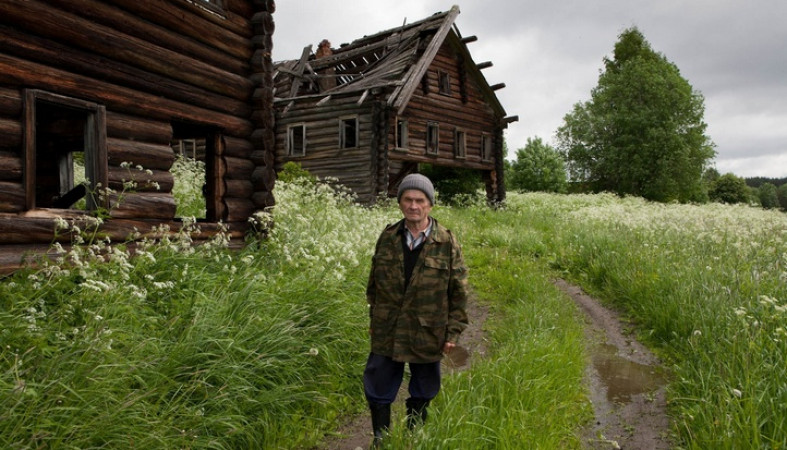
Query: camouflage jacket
{"points": [[412, 324]]}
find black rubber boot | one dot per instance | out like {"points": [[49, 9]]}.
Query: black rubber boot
{"points": [[381, 421], [416, 412]]}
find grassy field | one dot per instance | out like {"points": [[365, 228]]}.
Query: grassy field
{"points": [[183, 347]]}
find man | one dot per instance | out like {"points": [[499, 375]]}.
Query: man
{"points": [[417, 294]]}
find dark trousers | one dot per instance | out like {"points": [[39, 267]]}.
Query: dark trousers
{"points": [[383, 376]]}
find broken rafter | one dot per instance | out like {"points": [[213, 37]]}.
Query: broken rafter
{"points": [[363, 97]]}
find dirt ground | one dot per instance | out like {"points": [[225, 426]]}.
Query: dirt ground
{"points": [[625, 381]]}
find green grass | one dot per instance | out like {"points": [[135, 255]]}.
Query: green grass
{"points": [[183, 347]]}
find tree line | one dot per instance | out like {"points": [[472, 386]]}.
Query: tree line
{"points": [[642, 133]]}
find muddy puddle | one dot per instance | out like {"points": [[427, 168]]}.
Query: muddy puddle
{"points": [[622, 377]]}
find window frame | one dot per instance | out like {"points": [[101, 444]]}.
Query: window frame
{"points": [[94, 145], [486, 147], [443, 82], [401, 134], [460, 143], [343, 142], [432, 138], [291, 130]]}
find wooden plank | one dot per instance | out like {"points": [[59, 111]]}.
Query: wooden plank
{"points": [[145, 182], [239, 209], [10, 134], [238, 168], [149, 156], [19, 72], [42, 19], [143, 205], [401, 96], [10, 103], [239, 148], [55, 54], [10, 167], [195, 23], [132, 25], [239, 188], [122, 126], [12, 196]]}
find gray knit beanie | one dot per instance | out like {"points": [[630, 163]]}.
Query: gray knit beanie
{"points": [[416, 181]]}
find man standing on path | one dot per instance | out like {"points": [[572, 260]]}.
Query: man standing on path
{"points": [[417, 295]]}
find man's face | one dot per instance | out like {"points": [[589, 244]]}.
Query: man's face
{"points": [[415, 206]]}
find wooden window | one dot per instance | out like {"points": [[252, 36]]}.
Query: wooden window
{"points": [[486, 147], [432, 138], [197, 165], [444, 83], [401, 134], [348, 129], [460, 144], [65, 161], [296, 140]]}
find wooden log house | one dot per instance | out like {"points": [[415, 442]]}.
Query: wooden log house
{"points": [[369, 112], [120, 84]]}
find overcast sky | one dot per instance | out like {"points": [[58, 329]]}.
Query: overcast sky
{"points": [[549, 54]]}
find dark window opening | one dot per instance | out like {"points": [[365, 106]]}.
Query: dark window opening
{"points": [[65, 161], [444, 83], [401, 134], [349, 133], [460, 144], [296, 140], [486, 147], [195, 172], [432, 138]]}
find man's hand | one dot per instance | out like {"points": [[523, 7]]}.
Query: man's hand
{"points": [[447, 347]]}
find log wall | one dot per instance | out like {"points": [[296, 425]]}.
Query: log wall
{"points": [[149, 64], [465, 109], [353, 167]]}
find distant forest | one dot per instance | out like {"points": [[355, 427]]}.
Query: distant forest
{"points": [[756, 182]]}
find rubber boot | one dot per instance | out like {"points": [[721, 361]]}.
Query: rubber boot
{"points": [[416, 411], [381, 421]]}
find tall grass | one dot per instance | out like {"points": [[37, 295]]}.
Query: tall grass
{"points": [[707, 286], [200, 347]]}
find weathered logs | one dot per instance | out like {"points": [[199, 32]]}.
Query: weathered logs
{"points": [[19, 72], [143, 205], [12, 197], [10, 134], [137, 128], [149, 156], [239, 209], [238, 188], [156, 181], [42, 19], [10, 167], [238, 168], [59, 55]]}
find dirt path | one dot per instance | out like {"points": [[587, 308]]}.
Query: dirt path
{"points": [[624, 379]]}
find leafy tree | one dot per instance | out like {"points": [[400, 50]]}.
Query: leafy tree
{"points": [[769, 199], [538, 167], [642, 132], [729, 189], [781, 193]]}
